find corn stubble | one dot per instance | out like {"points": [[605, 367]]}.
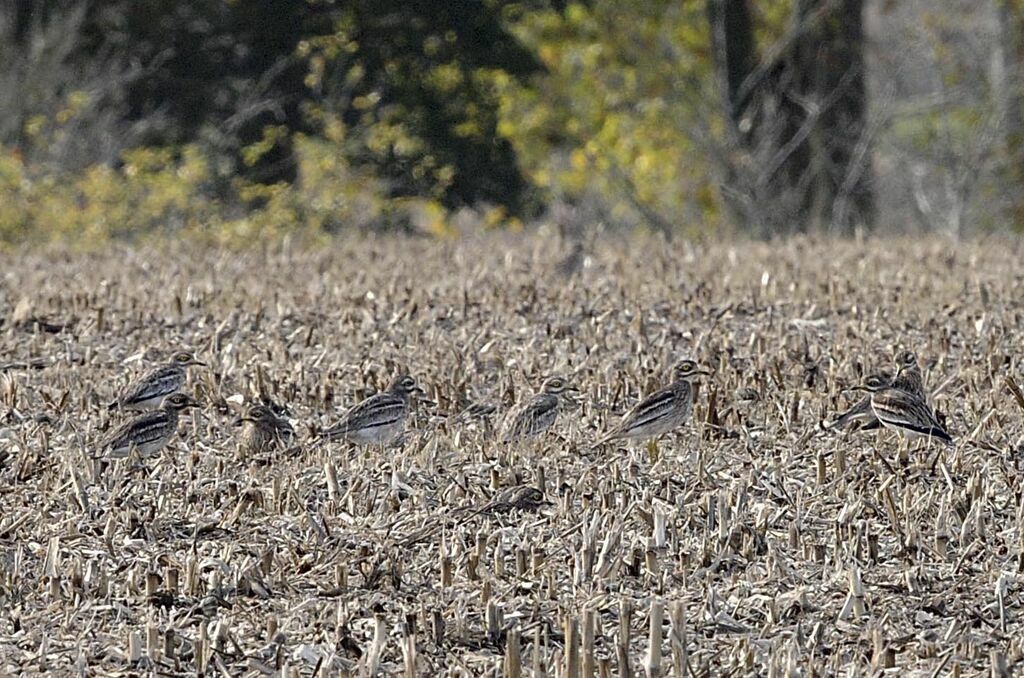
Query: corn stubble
{"points": [[753, 540]]}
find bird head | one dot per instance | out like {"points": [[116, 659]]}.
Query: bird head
{"points": [[906, 359], [687, 370], [179, 402], [873, 383], [186, 359], [405, 386], [557, 385], [257, 414]]}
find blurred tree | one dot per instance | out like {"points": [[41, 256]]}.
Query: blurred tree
{"points": [[412, 82], [223, 71], [618, 122], [408, 80], [1011, 19], [798, 117]]}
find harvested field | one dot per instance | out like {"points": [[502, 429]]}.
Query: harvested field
{"points": [[750, 542]]}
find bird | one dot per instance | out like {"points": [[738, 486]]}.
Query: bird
{"points": [[572, 262], [662, 411], [526, 498], [148, 432], [262, 430], [536, 414], [861, 413], [908, 378], [380, 419], [903, 411], [149, 391], [516, 498], [477, 411], [908, 374]]}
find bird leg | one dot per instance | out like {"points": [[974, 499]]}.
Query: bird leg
{"points": [[903, 451], [882, 458], [653, 453], [936, 459]]}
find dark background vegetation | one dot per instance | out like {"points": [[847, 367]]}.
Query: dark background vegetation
{"points": [[121, 118]]}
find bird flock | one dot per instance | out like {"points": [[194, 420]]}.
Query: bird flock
{"points": [[893, 401]]}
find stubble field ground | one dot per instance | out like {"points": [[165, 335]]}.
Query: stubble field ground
{"points": [[753, 542]]}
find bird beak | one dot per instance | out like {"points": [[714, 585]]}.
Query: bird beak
{"points": [[198, 363], [706, 373], [239, 420]]}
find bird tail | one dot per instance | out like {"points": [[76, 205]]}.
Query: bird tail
{"points": [[940, 434], [329, 434], [847, 418]]}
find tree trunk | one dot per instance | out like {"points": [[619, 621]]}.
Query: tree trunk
{"points": [[799, 121], [1011, 19], [830, 57]]}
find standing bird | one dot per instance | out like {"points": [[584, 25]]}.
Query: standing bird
{"points": [[908, 374], [148, 432], [661, 412], [538, 413], [903, 411], [263, 430], [380, 419], [149, 391]]}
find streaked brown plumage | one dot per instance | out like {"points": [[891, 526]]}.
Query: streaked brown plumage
{"points": [[148, 392], [517, 498], [380, 419], [908, 374], [149, 432], [903, 411], [263, 430], [860, 414], [662, 411], [537, 413]]}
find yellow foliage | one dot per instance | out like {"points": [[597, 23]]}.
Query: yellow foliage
{"points": [[159, 191], [615, 118]]}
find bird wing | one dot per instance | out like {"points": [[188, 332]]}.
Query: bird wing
{"points": [[861, 412], [142, 429], [283, 428], [522, 421], [654, 406], [901, 409], [378, 410], [161, 381], [477, 410]]}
